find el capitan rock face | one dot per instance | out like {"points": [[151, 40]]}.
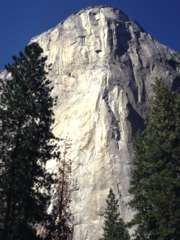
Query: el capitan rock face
{"points": [[103, 65]]}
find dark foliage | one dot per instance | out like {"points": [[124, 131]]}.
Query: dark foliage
{"points": [[26, 144], [114, 227], [156, 176]]}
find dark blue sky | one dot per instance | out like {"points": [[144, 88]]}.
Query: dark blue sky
{"points": [[20, 20]]}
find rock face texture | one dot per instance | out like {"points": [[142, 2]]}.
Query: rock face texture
{"points": [[103, 65]]}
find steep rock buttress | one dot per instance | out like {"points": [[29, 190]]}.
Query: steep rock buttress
{"points": [[103, 65]]}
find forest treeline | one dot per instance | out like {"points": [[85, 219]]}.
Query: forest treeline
{"points": [[27, 143]]}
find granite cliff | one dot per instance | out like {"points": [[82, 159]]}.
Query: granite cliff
{"points": [[103, 66]]}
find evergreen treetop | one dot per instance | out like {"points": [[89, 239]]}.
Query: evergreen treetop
{"points": [[26, 143], [114, 227], [155, 178]]}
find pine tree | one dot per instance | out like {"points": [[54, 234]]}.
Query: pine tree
{"points": [[59, 225], [26, 144], [114, 227], [156, 175]]}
